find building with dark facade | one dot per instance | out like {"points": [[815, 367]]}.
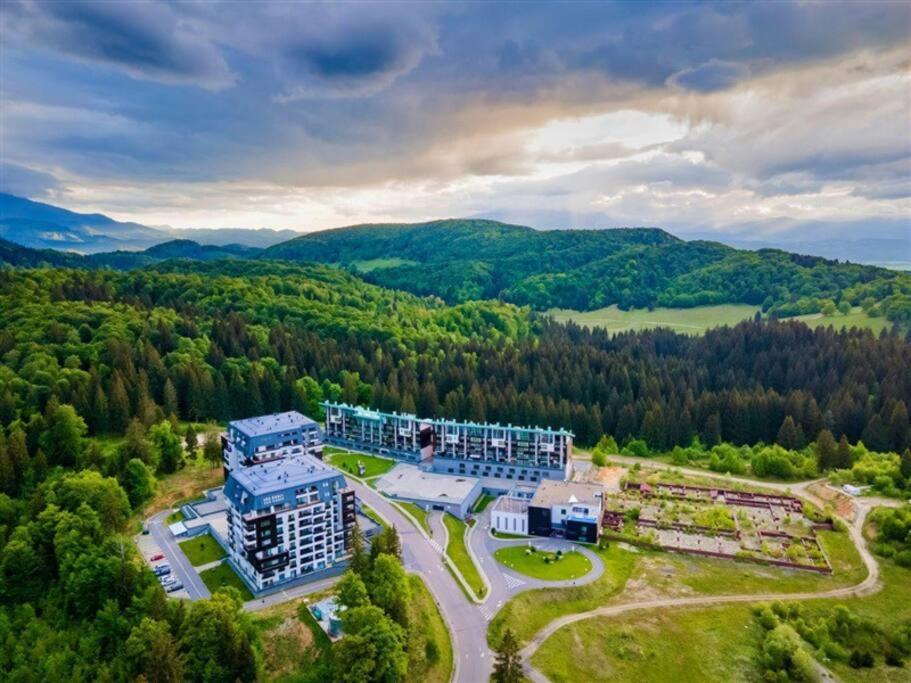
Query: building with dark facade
{"points": [[567, 508], [267, 438], [287, 518]]}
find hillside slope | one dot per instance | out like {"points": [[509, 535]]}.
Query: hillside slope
{"points": [[460, 260]]}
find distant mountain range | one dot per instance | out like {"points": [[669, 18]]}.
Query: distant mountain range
{"points": [[43, 226], [461, 260]]}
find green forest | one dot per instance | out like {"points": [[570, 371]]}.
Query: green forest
{"points": [[633, 268], [92, 354]]}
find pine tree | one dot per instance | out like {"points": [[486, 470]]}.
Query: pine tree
{"points": [[508, 665], [191, 442], [118, 405], [905, 467], [788, 436], [826, 451], [170, 399], [843, 458], [360, 559]]}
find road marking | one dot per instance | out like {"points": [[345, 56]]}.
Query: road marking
{"points": [[512, 581]]}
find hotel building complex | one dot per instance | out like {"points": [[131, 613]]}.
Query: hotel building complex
{"points": [[462, 448], [270, 437]]}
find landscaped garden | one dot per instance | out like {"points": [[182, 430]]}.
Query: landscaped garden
{"points": [[358, 464], [224, 576], [547, 566], [481, 503], [202, 550], [419, 513]]}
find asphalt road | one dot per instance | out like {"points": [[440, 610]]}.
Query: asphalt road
{"points": [[466, 621], [180, 565]]}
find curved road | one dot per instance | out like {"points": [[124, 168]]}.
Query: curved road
{"points": [[869, 585]]}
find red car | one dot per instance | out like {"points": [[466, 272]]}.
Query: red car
{"points": [[155, 558]]}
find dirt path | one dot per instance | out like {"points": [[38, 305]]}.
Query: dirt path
{"points": [[869, 585]]}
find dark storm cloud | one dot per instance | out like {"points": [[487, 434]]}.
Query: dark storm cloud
{"points": [[144, 39], [354, 59]]}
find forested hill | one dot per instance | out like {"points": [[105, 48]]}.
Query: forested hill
{"points": [[460, 260]]}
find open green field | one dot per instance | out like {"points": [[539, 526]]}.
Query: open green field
{"points": [[223, 576], [530, 611], [347, 461], [856, 318], [686, 320], [201, 550], [688, 646], [367, 265], [458, 553], [701, 318], [541, 565]]}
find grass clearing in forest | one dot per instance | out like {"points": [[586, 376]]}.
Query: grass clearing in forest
{"points": [[368, 265], [856, 318], [684, 320]]}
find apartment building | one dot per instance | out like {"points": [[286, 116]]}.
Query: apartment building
{"points": [[286, 519], [266, 438], [520, 454]]}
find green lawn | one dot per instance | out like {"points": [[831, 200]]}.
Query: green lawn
{"points": [[348, 462], [371, 513], [481, 503], [572, 565], [174, 517], [683, 646], [528, 612], [201, 550], [223, 576], [419, 513], [458, 553], [686, 320], [427, 662], [502, 534], [856, 318]]}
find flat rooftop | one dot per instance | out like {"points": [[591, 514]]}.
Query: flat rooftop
{"points": [[510, 504], [551, 492], [408, 481], [278, 475], [269, 424]]}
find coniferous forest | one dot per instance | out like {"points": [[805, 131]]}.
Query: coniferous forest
{"points": [[90, 353]]}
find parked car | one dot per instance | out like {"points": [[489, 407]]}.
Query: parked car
{"points": [[176, 586], [166, 579], [156, 557], [145, 531], [162, 569]]}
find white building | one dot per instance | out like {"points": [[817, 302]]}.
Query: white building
{"points": [[287, 519], [509, 513]]}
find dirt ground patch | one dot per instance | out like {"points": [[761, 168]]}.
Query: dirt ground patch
{"points": [[285, 645], [609, 477], [842, 502]]}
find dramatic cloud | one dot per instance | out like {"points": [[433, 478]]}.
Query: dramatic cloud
{"points": [[144, 39], [699, 117]]}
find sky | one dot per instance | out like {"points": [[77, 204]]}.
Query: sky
{"points": [[779, 120]]}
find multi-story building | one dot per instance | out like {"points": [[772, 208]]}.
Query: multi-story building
{"points": [[397, 435], [570, 508], [287, 519], [464, 448], [270, 437]]}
